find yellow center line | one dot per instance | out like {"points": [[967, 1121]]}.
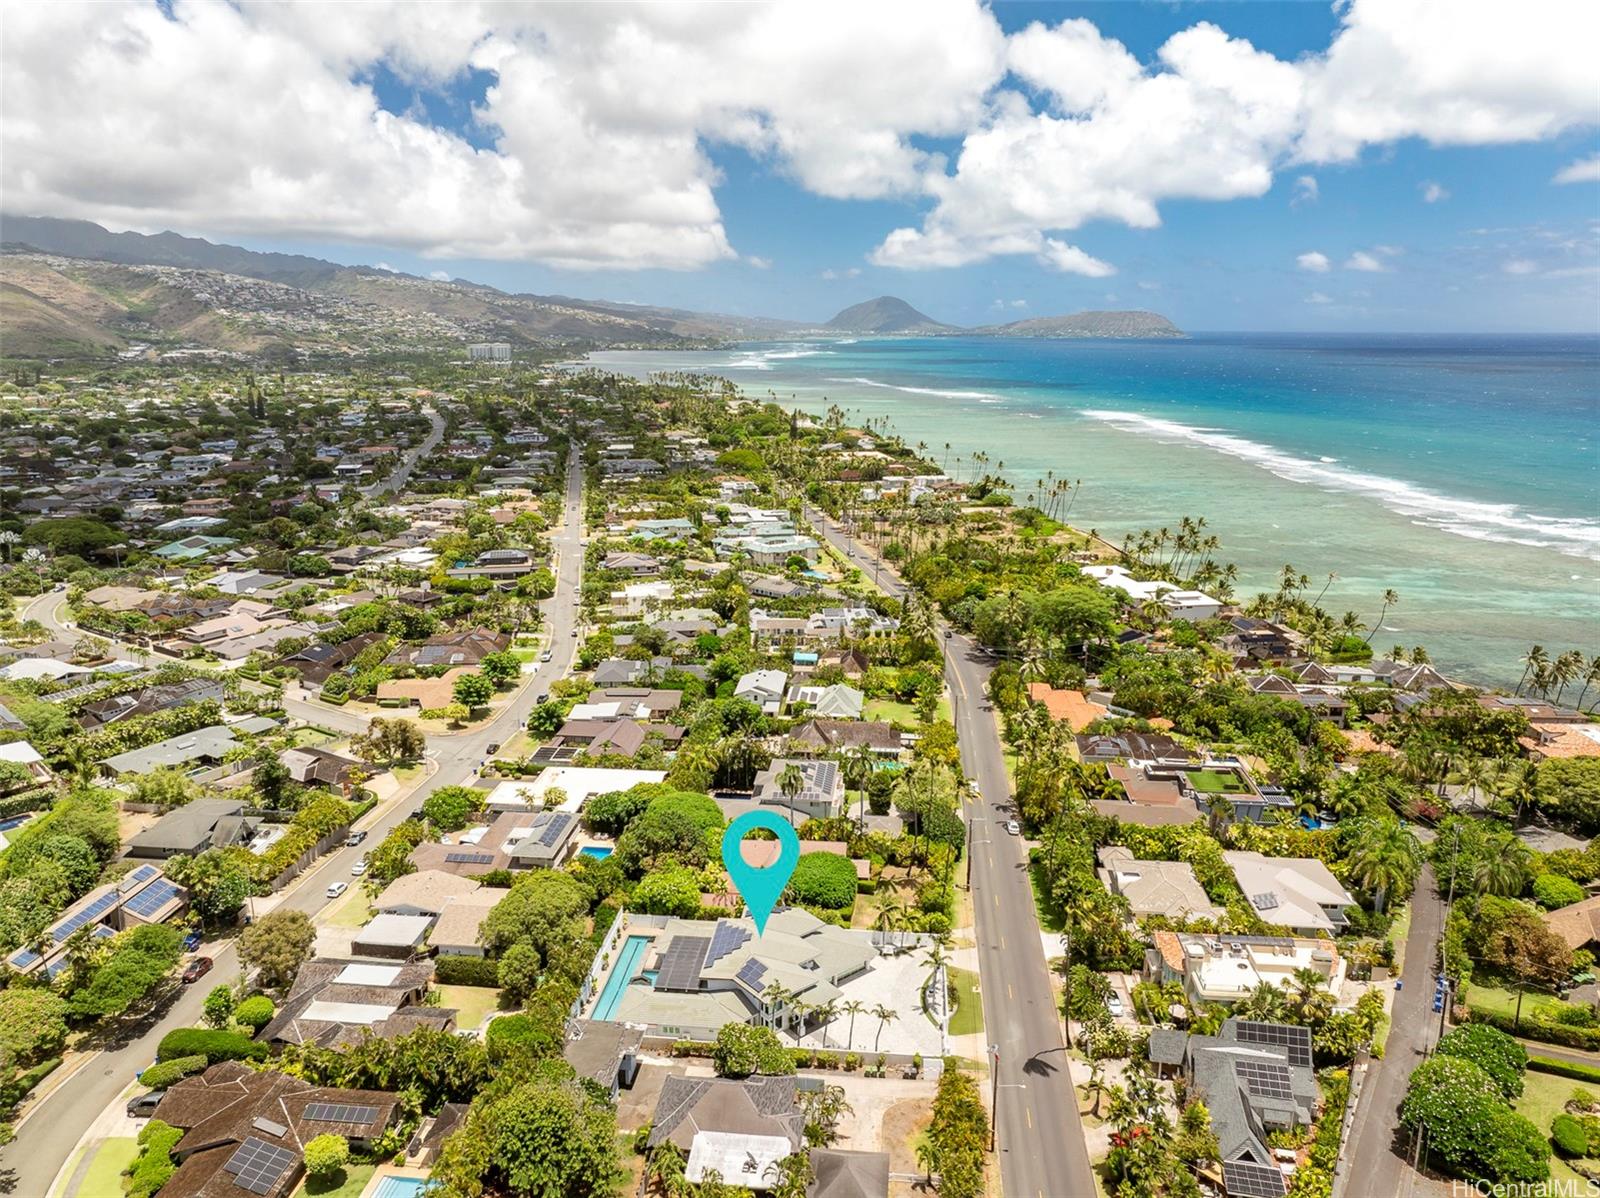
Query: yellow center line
{"points": [[1009, 994], [1029, 1114]]}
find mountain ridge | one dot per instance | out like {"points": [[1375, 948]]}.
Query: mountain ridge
{"points": [[886, 314]]}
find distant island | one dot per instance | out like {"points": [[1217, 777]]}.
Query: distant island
{"points": [[890, 314]]}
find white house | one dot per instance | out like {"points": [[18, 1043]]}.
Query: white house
{"points": [[839, 701], [764, 688], [1182, 604]]}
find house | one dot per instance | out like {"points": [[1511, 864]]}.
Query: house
{"points": [[245, 1132], [852, 661], [423, 693], [194, 828], [1071, 707], [1324, 701], [1577, 923], [821, 735], [1165, 888], [208, 744], [637, 565], [1253, 640], [1291, 892], [392, 937], [622, 737], [1224, 968], [497, 563], [422, 893], [638, 703], [314, 766], [317, 662], [821, 793], [764, 688], [1544, 741], [456, 933], [1132, 747], [839, 701], [338, 1003], [637, 597], [464, 648], [1255, 1078], [605, 1053], [21, 753], [845, 1173], [765, 1108], [148, 700], [193, 548], [142, 896], [517, 839], [578, 783], [776, 586]]}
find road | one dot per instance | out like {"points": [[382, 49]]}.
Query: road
{"points": [[52, 1129], [1373, 1167], [401, 474], [1042, 1148]]}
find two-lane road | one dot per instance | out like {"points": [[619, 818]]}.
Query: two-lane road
{"points": [[1042, 1149], [52, 1128]]}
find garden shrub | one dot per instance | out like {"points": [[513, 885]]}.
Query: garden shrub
{"points": [[255, 1012], [1569, 1137], [170, 1073], [466, 971], [213, 1045]]}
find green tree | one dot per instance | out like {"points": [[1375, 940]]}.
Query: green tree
{"points": [[1469, 1126], [326, 1155], [473, 690], [218, 1006], [501, 668], [741, 1050], [137, 962], [1489, 1048], [673, 890], [276, 945], [218, 880], [1386, 858], [545, 910], [450, 807], [33, 1025], [823, 880]]}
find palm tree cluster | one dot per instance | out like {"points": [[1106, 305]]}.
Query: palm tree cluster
{"points": [[1549, 677], [1185, 556]]}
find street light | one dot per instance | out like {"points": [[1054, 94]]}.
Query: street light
{"points": [[994, 1096]]}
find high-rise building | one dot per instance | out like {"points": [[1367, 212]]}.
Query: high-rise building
{"points": [[489, 351]]}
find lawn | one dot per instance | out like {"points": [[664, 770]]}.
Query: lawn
{"points": [[968, 1015], [1050, 919], [1494, 998], [901, 713], [471, 1003], [309, 735], [406, 774], [1544, 1096], [104, 1177], [347, 1183], [353, 912], [1213, 782], [1398, 931]]}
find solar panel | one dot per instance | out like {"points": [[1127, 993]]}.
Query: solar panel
{"points": [[88, 915], [554, 827], [268, 1126], [152, 898], [682, 962], [469, 858], [1246, 1179], [727, 937], [1264, 902], [1265, 1079], [338, 1112], [1296, 1040], [25, 959], [751, 973], [258, 1166], [143, 874]]}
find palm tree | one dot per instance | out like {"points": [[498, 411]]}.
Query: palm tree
{"points": [[1504, 868], [1532, 663], [891, 911], [791, 781], [1566, 668], [1473, 772], [1591, 676], [1386, 857], [852, 1008], [928, 1158], [664, 1166], [8, 538], [883, 1015], [825, 1013], [1391, 598], [1097, 1083]]}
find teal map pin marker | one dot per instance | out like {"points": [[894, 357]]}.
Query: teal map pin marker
{"points": [[760, 888]]}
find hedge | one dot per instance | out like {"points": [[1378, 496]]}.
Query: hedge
{"points": [[254, 1012], [20, 1086], [466, 971], [213, 1045], [1567, 1036], [38, 799], [1567, 1134], [170, 1073], [1573, 1069]]}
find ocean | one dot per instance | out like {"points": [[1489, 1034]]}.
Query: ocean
{"points": [[1463, 472]]}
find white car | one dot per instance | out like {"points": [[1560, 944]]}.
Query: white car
{"points": [[1013, 827], [359, 868], [545, 656], [1114, 1005], [337, 889]]}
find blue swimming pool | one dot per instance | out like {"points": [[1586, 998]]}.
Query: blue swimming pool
{"points": [[621, 975], [598, 851], [401, 1187]]}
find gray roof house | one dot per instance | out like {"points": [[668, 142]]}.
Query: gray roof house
{"points": [[821, 795], [754, 1106], [1300, 893], [201, 825], [1166, 888], [209, 744]]}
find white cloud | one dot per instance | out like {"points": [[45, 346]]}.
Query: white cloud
{"points": [[439, 276], [1433, 193], [251, 118], [1314, 261], [1583, 170], [1306, 191], [1148, 286], [1520, 266], [1317, 297], [385, 266], [758, 262], [848, 273], [1362, 260]]}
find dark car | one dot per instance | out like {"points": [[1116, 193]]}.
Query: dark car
{"points": [[354, 839], [196, 969], [191, 942], [145, 1105], [494, 748]]}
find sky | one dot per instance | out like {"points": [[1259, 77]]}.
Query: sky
{"points": [[1376, 165]]}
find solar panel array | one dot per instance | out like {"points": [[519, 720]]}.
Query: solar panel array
{"points": [[1264, 902], [152, 898], [24, 959], [469, 858], [1246, 1179], [1265, 1079], [143, 874], [339, 1112], [724, 939], [1296, 1040], [554, 827], [88, 915], [682, 962], [751, 973], [259, 1166]]}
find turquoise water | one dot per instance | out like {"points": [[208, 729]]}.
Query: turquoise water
{"points": [[621, 975], [597, 851], [1459, 471], [401, 1187]]}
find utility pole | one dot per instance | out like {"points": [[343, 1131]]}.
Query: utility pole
{"points": [[1450, 898], [1066, 972], [994, 1096]]}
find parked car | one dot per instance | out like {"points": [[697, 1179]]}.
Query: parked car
{"points": [[1114, 1005], [337, 889], [145, 1105], [196, 969], [574, 632], [545, 656], [359, 868], [1013, 827], [191, 942], [354, 839], [494, 748]]}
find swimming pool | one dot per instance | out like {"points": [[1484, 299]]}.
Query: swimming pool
{"points": [[401, 1187], [621, 975], [598, 851]]}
